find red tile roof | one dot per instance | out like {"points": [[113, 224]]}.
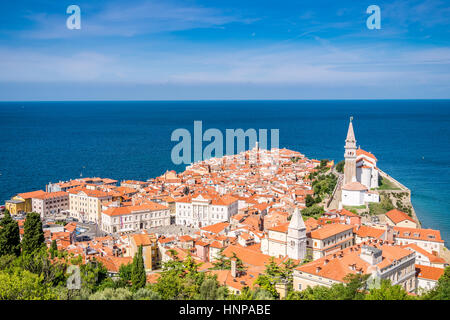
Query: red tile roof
{"points": [[429, 273], [397, 216], [329, 230]]}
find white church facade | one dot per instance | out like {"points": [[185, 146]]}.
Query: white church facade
{"points": [[286, 239], [360, 174]]}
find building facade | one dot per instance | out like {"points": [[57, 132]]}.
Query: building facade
{"points": [[135, 218], [329, 238], [86, 205], [51, 203], [204, 210], [381, 261], [288, 239], [360, 173]]}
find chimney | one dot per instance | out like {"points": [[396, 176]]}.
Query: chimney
{"points": [[233, 267], [389, 234]]}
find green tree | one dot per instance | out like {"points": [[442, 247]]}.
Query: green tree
{"points": [[222, 293], [355, 286], [442, 289], [125, 273], [9, 236], [313, 211], [33, 238], [39, 262], [309, 200], [53, 249], [340, 166], [138, 275], [249, 294], [21, 284], [7, 261], [146, 294], [208, 289], [222, 262], [112, 294], [274, 274], [182, 280], [93, 274], [388, 292]]}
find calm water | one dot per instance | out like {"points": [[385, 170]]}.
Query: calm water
{"points": [[52, 141]]}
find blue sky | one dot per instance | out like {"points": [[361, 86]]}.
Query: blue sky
{"points": [[177, 49]]}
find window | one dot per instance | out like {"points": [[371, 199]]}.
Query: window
{"points": [[299, 286]]}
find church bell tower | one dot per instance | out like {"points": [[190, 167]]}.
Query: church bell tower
{"points": [[350, 155], [296, 237]]}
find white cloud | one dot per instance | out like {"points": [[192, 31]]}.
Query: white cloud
{"points": [[123, 18], [322, 64]]}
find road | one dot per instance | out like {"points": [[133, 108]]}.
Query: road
{"points": [[334, 204]]}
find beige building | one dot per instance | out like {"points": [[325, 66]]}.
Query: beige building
{"points": [[50, 203], [134, 218], [380, 260], [398, 218], [329, 238], [150, 252], [86, 205], [138, 185]]}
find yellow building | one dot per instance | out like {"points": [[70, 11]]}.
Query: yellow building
{"points": [[22, 203], [149, 250]]}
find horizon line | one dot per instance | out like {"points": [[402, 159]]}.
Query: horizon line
{"points": [[225, 100]]}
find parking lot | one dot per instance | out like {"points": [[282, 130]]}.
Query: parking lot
{"points": [[173, 230]]}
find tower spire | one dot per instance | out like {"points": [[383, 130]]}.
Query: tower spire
{"points": [[297, 221], [350, 133], [296, 237], [350, 155]]}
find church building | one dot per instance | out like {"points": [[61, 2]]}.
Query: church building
{"points": [[287, 239], [360, 173]]}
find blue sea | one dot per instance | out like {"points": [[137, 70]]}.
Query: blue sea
{"points": [[52, 141]]}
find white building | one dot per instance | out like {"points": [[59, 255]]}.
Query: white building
{"points": [[356, 194], [427, 239], [203, 210], [360, 174], [366, 169], [135, 218], [427, 277], [86, 204], [287, 239], [380, 261]]}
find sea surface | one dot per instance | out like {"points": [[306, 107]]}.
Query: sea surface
{"points": [[52, 141]]}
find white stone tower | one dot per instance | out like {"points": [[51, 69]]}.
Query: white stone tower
{"points": [[350, 155], [296, 237]]}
